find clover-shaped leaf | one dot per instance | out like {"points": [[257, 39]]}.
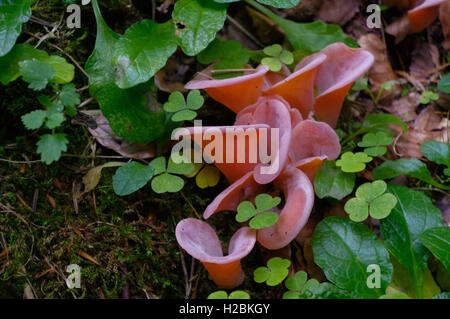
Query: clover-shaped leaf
{"points": [[429, 96], [353, 162], [131, 177], [298, 284], [276, 271], [276, 56], [184, 110], [205, 175], [372, 200], [165, 181], [375, 144], [222, 294], [259, 216]]}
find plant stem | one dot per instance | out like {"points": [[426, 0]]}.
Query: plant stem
{"points": [[263, 9]]}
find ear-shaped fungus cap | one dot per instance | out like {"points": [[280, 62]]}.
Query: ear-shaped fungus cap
{"points": [[311, 138], [299, 199], [423, 13], [233, 169], [275, 112], [310, 166], [200, 241], [335, 77], [235, 93], [230, 198], [298, 88]]}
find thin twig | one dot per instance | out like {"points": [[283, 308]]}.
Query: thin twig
{"points": [[244, 31]]}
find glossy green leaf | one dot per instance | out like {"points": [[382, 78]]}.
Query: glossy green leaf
{"points": [[413, 214], [332, 182], [131, 177], [197, 22], [437, 240], [127, 110], [142, 51], [227, 55], [344, 250], [444, 84], [376, 121], [437, 152], [51, 146], [13, 13], [406, 166]]}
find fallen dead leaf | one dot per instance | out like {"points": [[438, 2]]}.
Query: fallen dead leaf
{"points": [[405, 107], [305, 10], [338, 11], [50, 200], [427, 126], [399, 28], [172, 77], [106, 137], [444, 16], [91, 179], [381, 70], [87, 257], [424, 59]]}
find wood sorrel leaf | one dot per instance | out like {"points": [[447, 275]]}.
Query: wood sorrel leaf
{"points": [[275, 272], [344, 250]]}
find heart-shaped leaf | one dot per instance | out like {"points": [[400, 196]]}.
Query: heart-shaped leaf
{"points": [[131, 177], [209, 176], [275, 272], [245, 211], [332, 182], [382, 206], [263, 220], [167, 183], [357, 208], [353, 162], [265, 202]]}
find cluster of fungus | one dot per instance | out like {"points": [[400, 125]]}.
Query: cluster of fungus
{"points": [[287, 102]]}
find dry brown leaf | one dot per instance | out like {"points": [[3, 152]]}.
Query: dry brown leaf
{"points": [[425, 58], [91, 179], [427, 126], [106, 137], [381, 70], [405, 107], [399, 28], [338, 11], [50, 200], [444, 16], [305, 10], [87, 257], [172, 77]]}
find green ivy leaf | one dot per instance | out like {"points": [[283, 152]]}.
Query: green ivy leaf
{"points": [[353, 162], [332, 182], [131, 177], [126, 110], [414, 214], [437, 152], [344, 250], [51, 146], [406, 166], [197, 22], [34, 120], [142, 51], [276, 271], [69, 96], [437, 240], [12, 15], [444, 84], [36, 73]]}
